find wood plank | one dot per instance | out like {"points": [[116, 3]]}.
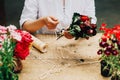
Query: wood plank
{"points": [[62, 61]]}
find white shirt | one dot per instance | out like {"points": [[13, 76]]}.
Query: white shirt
{"points": [[34, 9]]}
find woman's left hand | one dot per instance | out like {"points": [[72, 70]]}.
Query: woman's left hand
{"points": [[67, 34]]}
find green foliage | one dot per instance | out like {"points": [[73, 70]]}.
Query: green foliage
{"points": [[6, 53], [74, 28]]}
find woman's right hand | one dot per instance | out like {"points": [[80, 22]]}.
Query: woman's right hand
{"points": [[67, 34], [51, 22]]}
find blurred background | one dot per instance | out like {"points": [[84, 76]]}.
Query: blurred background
{"points": [[106, 11]]}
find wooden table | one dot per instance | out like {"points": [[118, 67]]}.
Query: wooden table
{"points": [[65, 60]]}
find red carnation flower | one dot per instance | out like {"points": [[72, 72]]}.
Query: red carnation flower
{"points": [[103, 26], [21, 51], [84, 18]]}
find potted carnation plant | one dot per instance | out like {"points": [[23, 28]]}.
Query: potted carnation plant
{"points": [[110, 52], [14, 47]]}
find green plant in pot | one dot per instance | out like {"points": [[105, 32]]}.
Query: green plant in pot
{"points": [[14, 47], [110, 51], [115, 77]]}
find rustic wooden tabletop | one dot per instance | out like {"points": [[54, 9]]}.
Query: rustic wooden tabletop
{"points": [[64, 60]]}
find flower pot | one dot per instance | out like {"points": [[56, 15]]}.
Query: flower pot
{"points": [[106, 69], [17, 65], [115, 77]]}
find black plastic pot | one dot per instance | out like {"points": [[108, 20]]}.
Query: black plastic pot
{"points": [[17, 65], [105, 69], [115, 77]]}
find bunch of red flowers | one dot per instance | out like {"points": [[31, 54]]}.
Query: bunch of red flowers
{"points": [[110, 49], [21, 38], [81, 26], [22, 47], [110, 40]]}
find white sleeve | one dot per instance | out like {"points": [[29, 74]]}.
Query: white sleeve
{"points": [[30, 11], [90, 10]]}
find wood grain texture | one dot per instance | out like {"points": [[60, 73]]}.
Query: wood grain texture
{"points": [[63, 60]]}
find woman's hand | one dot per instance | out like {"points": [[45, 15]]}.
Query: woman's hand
{"points": [[67, 34], [34, 25], [51, 22]]}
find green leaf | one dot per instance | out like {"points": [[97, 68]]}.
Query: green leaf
{"points": [[6, 70], [76, 16]]}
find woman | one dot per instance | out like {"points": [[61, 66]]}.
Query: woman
{"points": [[46, 16]]}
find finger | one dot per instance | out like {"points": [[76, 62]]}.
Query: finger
{"points": [[53, 18], [53, 22], [51, 26]]}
